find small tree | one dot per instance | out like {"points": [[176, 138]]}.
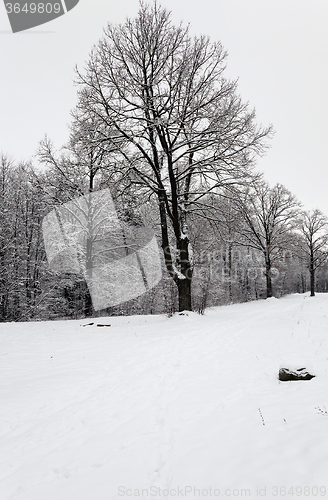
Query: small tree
{"points": [[313, 226], [269, 215]]}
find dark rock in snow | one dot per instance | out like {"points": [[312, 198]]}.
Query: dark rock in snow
{"points": [[286, 374]]}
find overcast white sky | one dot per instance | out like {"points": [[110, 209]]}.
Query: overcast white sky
{"points": [[277, 48]]}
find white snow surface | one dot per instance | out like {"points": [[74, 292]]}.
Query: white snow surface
{"points": [[165, 408]]}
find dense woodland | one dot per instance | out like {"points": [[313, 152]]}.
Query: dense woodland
{"points": [[159, 125]]}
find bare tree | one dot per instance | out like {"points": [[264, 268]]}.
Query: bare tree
{"points": [[77, 171], [219, 218], [269, 215], [183, 130], [313, 226]]}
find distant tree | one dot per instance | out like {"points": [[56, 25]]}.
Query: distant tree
{"points": [[219, 221], [269, 215], [314, 226], [182, 130]]}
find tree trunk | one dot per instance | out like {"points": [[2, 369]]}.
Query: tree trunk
{"points": [[87, 306], [230, 271], [312, 281], [268, 278], [312, 271], [184, 289], [184, 285]]}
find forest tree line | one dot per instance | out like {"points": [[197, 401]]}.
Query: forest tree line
{"points": [[230, 242], [159, 125]]}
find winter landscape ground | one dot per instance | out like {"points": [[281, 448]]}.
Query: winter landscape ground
{"points": [[160, 408]]}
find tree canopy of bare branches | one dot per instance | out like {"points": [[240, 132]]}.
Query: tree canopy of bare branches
{"points": [[269, 215], [181, 129]]}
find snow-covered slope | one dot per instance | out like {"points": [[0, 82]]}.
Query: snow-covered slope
{"points": [[155, 407]]}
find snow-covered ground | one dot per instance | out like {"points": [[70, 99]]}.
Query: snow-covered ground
{"points": [[165, 408]]}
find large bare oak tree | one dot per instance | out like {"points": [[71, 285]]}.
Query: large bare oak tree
{"points": [[181, 127]]}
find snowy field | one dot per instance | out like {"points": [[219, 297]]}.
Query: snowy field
{"points": [[165, 408]]}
